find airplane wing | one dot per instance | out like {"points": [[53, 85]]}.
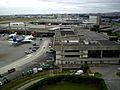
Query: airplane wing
{"points": [[27, 41]]}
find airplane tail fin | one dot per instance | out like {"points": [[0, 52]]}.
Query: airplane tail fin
{"points": [[14, 39], [15, 33]]}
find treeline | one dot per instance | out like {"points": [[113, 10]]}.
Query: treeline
{"points": [[111, 17]]}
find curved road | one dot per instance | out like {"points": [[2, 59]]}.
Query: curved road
{"points": [[109, 75], [26, 59], [29, 84]]}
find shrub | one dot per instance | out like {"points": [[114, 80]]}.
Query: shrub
{"points": [[85, 68], [98, 74], [118, 74]]}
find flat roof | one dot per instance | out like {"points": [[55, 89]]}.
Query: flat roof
{"points": [[86, 36], [107, 42], [91, 35], [63, 33]]}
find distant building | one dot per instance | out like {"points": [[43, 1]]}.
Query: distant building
{"points": [[95, 20], [17, 23]]}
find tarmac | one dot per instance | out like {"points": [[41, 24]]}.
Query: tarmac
{"points": [[14, 56]]}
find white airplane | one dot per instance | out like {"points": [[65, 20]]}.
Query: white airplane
{"points": [[27, 41], [29, 37], [20, 40], [12, 35]]}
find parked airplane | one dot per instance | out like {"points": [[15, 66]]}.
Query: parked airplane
{"points": [[21, 39], [29, 37], [12, 35]]}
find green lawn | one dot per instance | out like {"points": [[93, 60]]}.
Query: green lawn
{"points": [[70, 86], [7, 20]]}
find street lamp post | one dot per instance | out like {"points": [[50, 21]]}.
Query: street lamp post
{"points": [[25, 28], [9, 28]]}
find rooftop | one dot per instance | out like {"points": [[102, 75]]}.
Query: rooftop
{"points": [[85, 37], [107, 42], [63, 33]]}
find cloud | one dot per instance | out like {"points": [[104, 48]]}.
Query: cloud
{"points": [[58, 6]]}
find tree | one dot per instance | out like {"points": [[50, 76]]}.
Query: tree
{"points": [[85, 68]]}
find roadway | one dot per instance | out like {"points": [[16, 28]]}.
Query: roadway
{"points": [[109, 75], [29, 84]]}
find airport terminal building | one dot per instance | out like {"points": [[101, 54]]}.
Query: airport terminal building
{"points": [[75, 46]]}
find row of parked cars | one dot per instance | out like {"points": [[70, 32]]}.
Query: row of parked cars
{"points": [[32, 71], [32, 49], [39, 68], [3, 80]]}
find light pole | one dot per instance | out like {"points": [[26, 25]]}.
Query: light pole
{"points": [[25, 28], [9, 28]]}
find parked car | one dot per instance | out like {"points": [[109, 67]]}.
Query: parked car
{"points": [[30, 47], [3, 80], [118, 69], [34, 44], [1, 76], [40, 69], [36, 47], [40, 38], [48, 51], [23, 73], [79, 72], [33, 49], [26, 52], [35, 70]]}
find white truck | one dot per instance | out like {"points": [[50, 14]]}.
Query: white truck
{"points": [[35, 70], [79, 72], [1, 82]]}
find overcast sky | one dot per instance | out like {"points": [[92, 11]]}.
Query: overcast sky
{"points": [[58, 6]]}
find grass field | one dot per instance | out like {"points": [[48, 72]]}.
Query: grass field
{"points": [[5, 21], [70, 86]]}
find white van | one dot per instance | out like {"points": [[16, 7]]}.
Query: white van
{"points": [[79, 72]]}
